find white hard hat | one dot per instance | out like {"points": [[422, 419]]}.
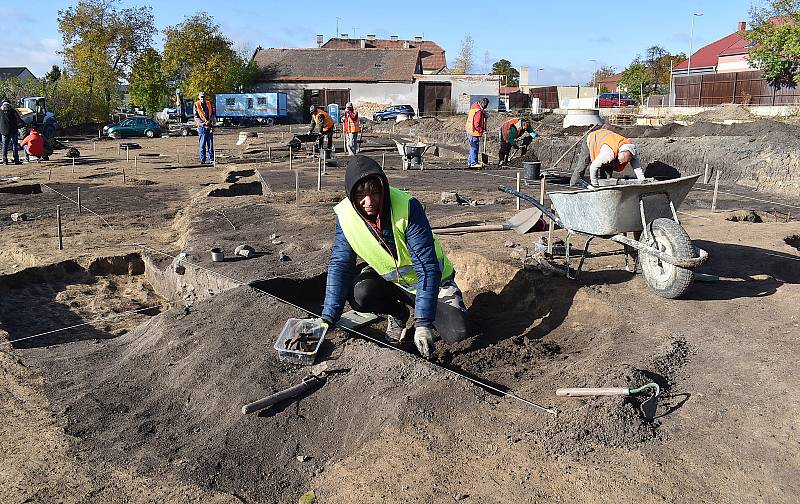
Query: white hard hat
{"points": [[349, 105], [201, 95], [628, 147]]}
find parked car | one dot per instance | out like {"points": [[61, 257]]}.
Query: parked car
{"points": [[616, 100], [182, 129], [393, 111], [133, 126]]}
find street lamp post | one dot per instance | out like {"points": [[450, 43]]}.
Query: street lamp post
{"points": [[595, 78], [537, 73], [691, 36]]}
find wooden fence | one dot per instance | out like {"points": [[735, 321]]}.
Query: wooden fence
{"points": [[747, 88]]}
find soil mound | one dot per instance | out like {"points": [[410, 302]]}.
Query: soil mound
{"points": [[725, 112], [166, 397]]}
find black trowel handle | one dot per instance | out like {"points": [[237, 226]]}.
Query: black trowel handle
{"points": [[307, 384]]}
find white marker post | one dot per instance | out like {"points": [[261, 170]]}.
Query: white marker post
{"points": [[518, 187], [716, 189], [58, 228]]}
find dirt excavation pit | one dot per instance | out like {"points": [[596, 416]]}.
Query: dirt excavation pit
{"points": [[745, 216], [793, 241], [166, 395], [237, 189], [103, 299]]}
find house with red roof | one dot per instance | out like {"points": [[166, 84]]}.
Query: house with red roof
{"points": [[610, 82], [728, 54]]}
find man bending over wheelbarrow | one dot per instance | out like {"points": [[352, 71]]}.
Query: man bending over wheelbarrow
{"points": [[405, 265], [604, 153]]}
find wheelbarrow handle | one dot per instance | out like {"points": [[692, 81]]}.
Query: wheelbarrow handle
{"points": [[533, 201]]}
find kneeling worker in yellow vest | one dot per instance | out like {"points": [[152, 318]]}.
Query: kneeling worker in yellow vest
{"points": [[405, 265], [606, 152]]}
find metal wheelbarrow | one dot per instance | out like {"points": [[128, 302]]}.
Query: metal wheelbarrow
{"points": [[411, 153], [299, 141], [648, 210]]}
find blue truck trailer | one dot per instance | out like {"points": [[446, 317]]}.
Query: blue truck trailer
{"points": [[251, 108]]}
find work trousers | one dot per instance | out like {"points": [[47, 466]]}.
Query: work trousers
{"points": [[352, 143], [326, 134], [372, 294], [474, 149], [206, 143], [580, 164], [11, 142]]}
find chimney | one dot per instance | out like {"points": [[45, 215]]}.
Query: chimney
{"points": [[370, 37], [344, 36], [523, 76], [406, 44], [363, 43], [393, 37], [417, 39], [742, 25], [320, 40]]}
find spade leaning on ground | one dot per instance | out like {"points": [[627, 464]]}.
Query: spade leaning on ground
{"points": [[405, 265]]}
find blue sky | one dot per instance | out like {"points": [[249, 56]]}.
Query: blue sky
{"points": [[560, 37]]}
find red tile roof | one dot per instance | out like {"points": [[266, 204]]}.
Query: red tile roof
{"points": [[338, 65], [433, 57], [612, 79], [707, 56], [508, 90]]}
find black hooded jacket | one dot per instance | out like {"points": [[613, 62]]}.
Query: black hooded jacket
{"points": [[342, 265]]}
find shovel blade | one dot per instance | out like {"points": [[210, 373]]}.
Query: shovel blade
{"points": [[648, 408], [525, 220]]}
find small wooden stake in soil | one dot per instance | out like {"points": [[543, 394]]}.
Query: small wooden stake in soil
{"points": [[542, 183], [73, 166], [297, 187], [383, 161], [269, 154], [518, 178], [80, 207], [550, 234], [716, 189], [123, 175], [319, 174], [58, 228], [127, 155], [290, 158]]}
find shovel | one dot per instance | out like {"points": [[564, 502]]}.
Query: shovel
{"points": [[522, 222]]}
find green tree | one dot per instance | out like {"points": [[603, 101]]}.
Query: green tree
{"points": [[197, 55], [510, 74], [659, 64], [52, 77], [635, 79], [242, 72], [147, 84], [775, 33], [465, 61], [101, 42], [601, 73]]}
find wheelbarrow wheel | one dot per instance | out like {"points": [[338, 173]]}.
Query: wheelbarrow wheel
{"points": [[665, 279]]}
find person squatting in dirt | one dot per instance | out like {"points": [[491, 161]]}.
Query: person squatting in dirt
{"points": [[405, 264], [604, 153], [322, 120], [515, 133]]}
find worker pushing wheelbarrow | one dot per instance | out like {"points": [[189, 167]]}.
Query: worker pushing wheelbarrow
{"points": [[645, 208]]}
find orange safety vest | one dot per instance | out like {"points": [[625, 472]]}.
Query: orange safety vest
{"points": [[505, 129], [327, 121], [351, 122], [470, 127], [597, 139], [198, 105]]}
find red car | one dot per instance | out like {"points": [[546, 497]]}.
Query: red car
{"points": [[616, 100]]}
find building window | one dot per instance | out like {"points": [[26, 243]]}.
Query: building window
{"points": [[229, 102], [262, 101]]}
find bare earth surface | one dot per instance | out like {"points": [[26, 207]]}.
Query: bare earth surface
{"points": [[139, 401]]}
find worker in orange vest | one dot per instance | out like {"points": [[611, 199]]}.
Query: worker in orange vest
{"points": [[518, 133], [352, 127], [604, 153], [204, 118], [325, 123], [475, 127]]}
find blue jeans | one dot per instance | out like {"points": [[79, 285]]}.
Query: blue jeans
{"points": [[206, 143], [474, 146], [11, 142]]}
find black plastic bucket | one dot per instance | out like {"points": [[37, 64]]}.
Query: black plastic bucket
{"points": [[531, 170]]}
